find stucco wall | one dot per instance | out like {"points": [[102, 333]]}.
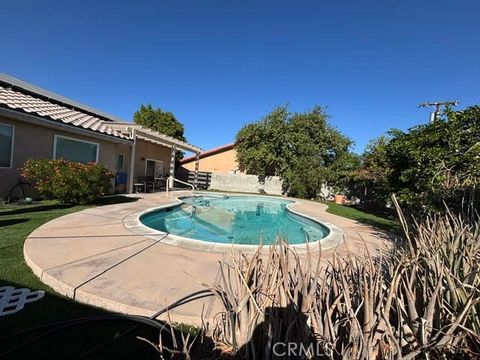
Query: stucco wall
{"points": [[33, 141], [149, 151], [246, 183], [224, 162]]}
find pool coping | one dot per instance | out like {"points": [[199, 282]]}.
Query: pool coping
{"points": [[79, 256], [132, 223]]}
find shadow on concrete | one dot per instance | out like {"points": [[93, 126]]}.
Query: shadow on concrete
{"points": [[55, 327], [116, 199], [58, 328]]}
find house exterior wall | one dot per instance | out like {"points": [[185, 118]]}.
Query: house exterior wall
{"points": [[149, 151], [33, 141], [222, 163]]}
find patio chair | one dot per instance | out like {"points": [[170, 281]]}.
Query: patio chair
{"points": [[146, 183]]}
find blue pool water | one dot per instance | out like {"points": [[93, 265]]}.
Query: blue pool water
{"points": [[244, 220]]}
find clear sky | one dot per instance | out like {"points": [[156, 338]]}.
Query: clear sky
{"points": [[218, 65]]}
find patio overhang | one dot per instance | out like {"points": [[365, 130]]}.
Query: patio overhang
{"points": [[136, 131]]}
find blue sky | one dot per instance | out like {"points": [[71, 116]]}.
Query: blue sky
{"points": [[218, 65]]}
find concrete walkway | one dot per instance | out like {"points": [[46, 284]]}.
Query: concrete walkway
{"points": [[92, 257]]}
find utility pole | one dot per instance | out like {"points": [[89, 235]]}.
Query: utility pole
{"points": [[436, 113]]}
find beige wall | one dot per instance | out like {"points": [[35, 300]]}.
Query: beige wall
{"points": [[223, 163], [148, 151], [33, 141]]}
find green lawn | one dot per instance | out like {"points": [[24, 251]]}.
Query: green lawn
{"points": [[16, 223], [384, 222]]}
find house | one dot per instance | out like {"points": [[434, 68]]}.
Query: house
{"points": [[222, 160], [35, 123], [218, 169]]}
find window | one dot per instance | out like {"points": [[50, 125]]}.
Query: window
{"points": [[75, 150], [6, 145], [120, 162]]}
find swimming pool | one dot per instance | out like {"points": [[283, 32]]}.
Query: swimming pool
{"points": [[243, 220]]}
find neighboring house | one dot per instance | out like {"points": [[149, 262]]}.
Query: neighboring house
{"points": [[219, 170], [220, 160], [35, 123]]}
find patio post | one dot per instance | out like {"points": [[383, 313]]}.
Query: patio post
{"points": [[172, 168], [197, 165], [132, 163]]}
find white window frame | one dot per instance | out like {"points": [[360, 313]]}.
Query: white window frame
{"points": [[74, 139], [123, 163], [11, 147]]}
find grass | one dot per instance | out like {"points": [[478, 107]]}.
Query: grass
{"points": [[16, 223], [384, 222]]}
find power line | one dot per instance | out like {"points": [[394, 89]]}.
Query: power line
{"points": [[437, 105]]}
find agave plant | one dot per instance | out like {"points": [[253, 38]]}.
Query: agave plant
{"points": [[420, 302]]}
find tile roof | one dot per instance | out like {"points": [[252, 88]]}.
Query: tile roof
{"points": [[22, 96], [17, 100]]}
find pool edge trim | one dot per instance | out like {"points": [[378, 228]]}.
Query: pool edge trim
{"points": [[132, 223]]}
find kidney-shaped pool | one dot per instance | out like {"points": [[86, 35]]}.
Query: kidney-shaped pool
{"points": [[246, 220]]}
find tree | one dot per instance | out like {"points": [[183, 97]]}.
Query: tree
{"points": [[301, 148], [158, 120], [436, 164], [371, 179], [318, 153], [262, 147]]}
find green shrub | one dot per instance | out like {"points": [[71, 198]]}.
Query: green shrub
{"points": [[67, 181], [426, 167]]}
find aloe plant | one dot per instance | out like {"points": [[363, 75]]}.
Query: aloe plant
{"points": [[420, 302]]}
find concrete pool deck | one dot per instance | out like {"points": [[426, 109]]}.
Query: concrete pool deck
{"points": [[94, 258]]}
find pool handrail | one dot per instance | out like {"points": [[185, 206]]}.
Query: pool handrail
{"points": [[173, 179]]}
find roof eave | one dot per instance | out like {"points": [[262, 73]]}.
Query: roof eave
{"points": [[208, 153], [53, 124]]}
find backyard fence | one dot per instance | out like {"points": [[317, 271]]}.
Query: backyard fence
{"points": [[203, 180]]}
